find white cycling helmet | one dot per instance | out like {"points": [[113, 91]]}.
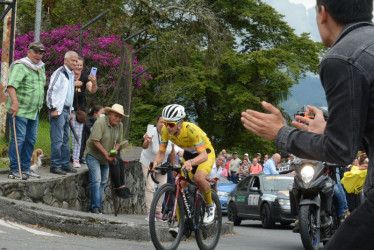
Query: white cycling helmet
{"points": [[173, 112]]}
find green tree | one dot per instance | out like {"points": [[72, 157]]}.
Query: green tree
{"points": [[199, 63]]}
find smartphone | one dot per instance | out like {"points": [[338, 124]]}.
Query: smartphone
{"points": [[93, 71], [150, 129]]}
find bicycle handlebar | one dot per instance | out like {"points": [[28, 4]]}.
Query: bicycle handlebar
{"points": [[164, 168]]}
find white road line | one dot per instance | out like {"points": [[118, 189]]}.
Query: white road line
{"points": [[30, 230], [5, 224]]}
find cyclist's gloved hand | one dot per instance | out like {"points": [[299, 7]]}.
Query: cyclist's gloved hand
{"points": [[187, 165], [151, 168]]}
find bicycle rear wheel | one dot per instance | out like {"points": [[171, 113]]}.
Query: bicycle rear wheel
{"points": [[207, 235], [166, 234]]}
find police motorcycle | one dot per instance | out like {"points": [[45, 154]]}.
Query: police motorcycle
{"points": [[311, 198]]}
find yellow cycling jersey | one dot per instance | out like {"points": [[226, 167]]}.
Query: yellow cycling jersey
{"points": [[192, 139]]}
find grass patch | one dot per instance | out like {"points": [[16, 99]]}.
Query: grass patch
{"points": [[43, 141]]}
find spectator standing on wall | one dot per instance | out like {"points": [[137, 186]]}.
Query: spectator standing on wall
{"points": [[25, 88], [82, 82], [60, 97]]}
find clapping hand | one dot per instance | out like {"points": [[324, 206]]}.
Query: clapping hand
{"points": [[263, 124], [316, 125]]}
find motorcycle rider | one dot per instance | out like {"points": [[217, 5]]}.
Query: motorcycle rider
{"points": [[348, 80]]}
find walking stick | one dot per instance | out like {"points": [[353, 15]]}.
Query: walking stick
{"points": [[113, 194], [15, 140]]}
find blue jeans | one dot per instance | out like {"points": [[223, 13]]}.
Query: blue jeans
{"points": [[234, 178], [341, 188], [59, 133], [338, 201], [26, 132], [98, 175]]}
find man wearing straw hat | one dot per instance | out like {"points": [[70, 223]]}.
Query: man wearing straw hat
{"points": [[25, 89], [101, 148]]}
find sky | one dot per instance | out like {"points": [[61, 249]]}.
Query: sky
{"points": [[306, 3], [300, 15]]}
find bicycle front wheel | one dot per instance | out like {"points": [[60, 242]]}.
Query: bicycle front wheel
{"points": [[166, 228], [207, 235]]}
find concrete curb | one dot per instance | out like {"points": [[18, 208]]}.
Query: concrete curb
{"points": [[128, 227], [73, 221]]}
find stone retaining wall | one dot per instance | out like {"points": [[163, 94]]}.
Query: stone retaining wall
{"points": [[73, 191]]}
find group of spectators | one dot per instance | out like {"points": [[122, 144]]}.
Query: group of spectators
{"points": [[235, 169], [97, 139]]}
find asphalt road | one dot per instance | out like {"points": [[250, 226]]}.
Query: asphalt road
{"points": [[250, 235]]}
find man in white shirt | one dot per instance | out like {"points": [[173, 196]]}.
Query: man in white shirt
{"points": [[216, 171]]}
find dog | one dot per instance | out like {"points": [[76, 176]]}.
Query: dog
{"points": [[36, 159]]}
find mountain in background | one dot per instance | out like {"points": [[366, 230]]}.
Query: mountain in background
{"points": [[308, 92], [299, 17]]}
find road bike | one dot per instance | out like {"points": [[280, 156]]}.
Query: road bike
{"points": [[182, 213]]}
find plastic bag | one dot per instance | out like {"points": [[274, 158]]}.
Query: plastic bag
{"points": [[354, 180]]}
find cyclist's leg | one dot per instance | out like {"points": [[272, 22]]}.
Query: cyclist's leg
{"points": [[203, 170], [201, 174]]}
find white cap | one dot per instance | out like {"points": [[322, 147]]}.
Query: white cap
{"points": [[246, 154]]}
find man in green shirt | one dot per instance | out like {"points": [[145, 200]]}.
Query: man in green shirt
{"points": [[25, 89], [101, 148]]}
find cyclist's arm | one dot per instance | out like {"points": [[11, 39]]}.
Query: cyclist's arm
{"points": [[200, 158], [159, 158]]}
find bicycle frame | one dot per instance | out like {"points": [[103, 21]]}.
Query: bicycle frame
{"points": [[182, 221], [180, 191]]}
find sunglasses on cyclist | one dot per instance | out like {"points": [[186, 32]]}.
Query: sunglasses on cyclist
{"points": [[171, 124]]}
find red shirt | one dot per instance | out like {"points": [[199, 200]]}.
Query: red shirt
{"points": [[227, 165]]}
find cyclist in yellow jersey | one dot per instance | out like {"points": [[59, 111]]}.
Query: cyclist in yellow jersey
{"points": [[198, 154]]}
